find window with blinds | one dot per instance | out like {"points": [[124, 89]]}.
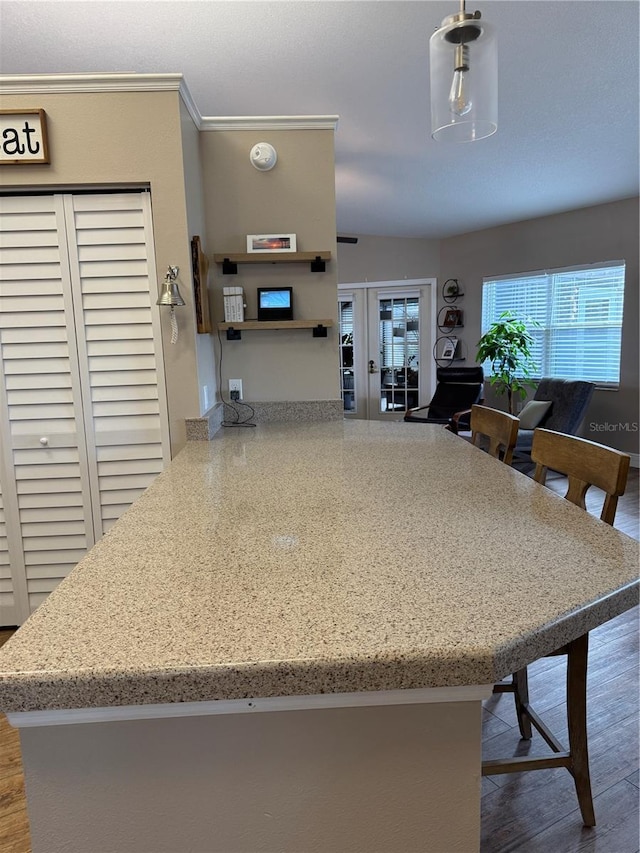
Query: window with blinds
{"points": [[574, 316], [399, 341], [399, 332], [347, 375]]}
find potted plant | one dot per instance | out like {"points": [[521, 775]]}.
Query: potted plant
{"points": [[507, 345]]}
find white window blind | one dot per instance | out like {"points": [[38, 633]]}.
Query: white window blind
{"points": [[346, 316], [399, 332], [579, 315]]}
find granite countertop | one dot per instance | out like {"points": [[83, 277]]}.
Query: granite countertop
{"points": [[318, 558]]}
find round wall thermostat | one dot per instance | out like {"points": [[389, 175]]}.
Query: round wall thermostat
{"points": [[263, 156]]}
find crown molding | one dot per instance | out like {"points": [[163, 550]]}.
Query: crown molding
{"points": [[190, 104], [46, 84], [269, 122], [64, 84], [41, 84]]}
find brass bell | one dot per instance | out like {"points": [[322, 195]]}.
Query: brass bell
{"points": [[170, 294]]}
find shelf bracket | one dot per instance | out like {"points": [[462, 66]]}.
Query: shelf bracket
{"points": [[229, 267], [319, 331], [318, 265], [234, 334]]}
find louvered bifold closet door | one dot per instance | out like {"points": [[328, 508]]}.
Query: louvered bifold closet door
{"points": [[7, 601], [83, 414], [7, 597], [117, 322], [13, 591], [44, 449]]}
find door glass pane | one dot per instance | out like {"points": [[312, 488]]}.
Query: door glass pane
{"points": [[399, 338], [347, 376]]}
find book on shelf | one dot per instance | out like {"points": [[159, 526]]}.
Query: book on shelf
{"points": [[233, 304]]}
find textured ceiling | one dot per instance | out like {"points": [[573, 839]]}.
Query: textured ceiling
{"points": [[568, 93]]}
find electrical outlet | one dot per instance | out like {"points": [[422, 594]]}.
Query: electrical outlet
{"points": [[235, 389]]}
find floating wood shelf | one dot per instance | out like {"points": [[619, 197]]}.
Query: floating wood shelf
{"points": [[230, 262], [234, 330]]}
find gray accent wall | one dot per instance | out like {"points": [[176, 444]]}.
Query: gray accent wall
{"points": [[588, 235], [387, 259]]}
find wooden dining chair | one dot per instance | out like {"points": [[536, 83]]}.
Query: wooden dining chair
{"points": [[585, 463], [499, 427]]}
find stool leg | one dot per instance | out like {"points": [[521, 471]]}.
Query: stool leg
{"points": [[521, 695], [577, 721]]}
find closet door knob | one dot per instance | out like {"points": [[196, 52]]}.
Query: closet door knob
{"points": [[44, 441]]}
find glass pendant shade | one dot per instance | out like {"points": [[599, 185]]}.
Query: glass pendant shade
{"points": [[464, 79]]}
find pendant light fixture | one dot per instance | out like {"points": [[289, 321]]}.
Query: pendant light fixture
{"points": [[464, 78]]}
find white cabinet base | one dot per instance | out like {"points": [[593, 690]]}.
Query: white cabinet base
{"points": [[389, 778]]}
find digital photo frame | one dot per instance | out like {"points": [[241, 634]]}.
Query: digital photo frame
{"points": [[275, 303]]}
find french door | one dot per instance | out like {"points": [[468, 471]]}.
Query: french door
{"points": [[386, 338]]}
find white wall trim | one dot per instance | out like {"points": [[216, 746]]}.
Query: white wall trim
{"points": [[30, 84], [269, 122], [424, 695], [190, 104]]}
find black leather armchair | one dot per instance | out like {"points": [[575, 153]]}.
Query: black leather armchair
{"points": [[457, 389]]}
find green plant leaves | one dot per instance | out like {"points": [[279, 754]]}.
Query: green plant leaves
{"points": [[507, 346]]}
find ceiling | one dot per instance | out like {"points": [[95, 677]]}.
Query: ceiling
{"points": [[568, 132]]}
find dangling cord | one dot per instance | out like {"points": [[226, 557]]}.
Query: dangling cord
{"points": [[174, 326]]}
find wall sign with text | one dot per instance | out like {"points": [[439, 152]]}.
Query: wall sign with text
{"points": [[23, 137]]}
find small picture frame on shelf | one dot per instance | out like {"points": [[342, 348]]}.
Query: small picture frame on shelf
{"points": [[449, 348], [271, 243], [453, 318]]}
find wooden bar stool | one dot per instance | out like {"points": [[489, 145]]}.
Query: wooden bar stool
{"points": [[585, 463]]}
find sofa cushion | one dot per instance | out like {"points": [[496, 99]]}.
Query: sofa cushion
{"points": [[533, 412], [524, 442]]}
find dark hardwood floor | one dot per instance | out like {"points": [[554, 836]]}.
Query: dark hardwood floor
{"points": [[14, 826], [525, 812]]}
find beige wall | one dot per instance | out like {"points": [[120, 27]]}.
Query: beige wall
{"points": [[298, 197], [388, 259], [110, 140], [589, 235], [194, 188]]}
